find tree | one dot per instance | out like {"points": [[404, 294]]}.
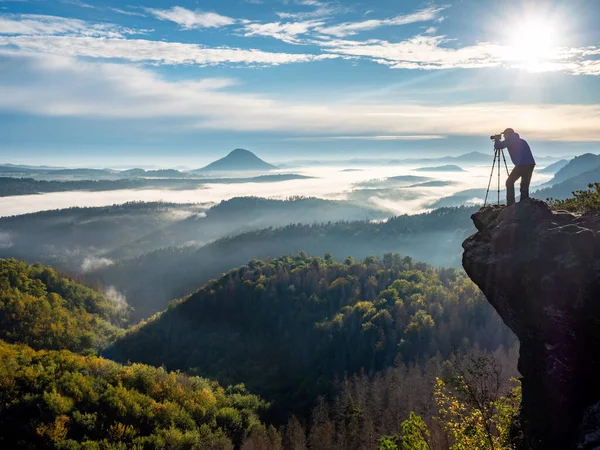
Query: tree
{"points": [[415, 434], [294, 437], [471, 407], [582, 201]]}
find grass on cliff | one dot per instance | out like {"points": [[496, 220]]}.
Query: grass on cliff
{"points": [[582, 201]]}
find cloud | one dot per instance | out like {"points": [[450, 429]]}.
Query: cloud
{"points": [[127, 13], [43, 25], [420, 52], [352, 28], [5, 240], [189, 20], [425, 52], [78, 3], [117, 298], [92, 263], [286, 31], [159, 52], [290, 30], [320, 10], [60, 86], [420, 137]]}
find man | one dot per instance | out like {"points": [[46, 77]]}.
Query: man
{"points": [[521, 156]]}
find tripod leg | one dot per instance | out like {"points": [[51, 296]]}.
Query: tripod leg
{"points": [[490, 182], [505, 165], [499, 170]]}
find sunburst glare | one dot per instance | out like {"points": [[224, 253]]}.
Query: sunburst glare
{"points": [[534, 44]]}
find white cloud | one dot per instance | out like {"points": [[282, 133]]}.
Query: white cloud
{"points": [[79, 3], [320, 10], [352, 28], [5, 240], [54, 86], [188, 19], [160, 52], [127, 13], [419, 137], [38, 25], [91, 263], [118, 299], [420, 52], [286, 31], [291, 30], [425, 52]]}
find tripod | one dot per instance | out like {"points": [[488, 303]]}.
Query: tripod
{"points": [[497, 153]]}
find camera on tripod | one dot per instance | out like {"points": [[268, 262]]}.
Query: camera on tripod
{"points": [[496, 137]]}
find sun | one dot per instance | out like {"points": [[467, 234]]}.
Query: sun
{"points": [[534, 43]]}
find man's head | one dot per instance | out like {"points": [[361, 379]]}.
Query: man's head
{"points": [[508, 133]]}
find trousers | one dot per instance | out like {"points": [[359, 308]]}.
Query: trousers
{"points": [[524, 172]]}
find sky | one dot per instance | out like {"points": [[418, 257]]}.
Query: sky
{"points": [[168, 82]]}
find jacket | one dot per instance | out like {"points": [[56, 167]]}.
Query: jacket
{"points": [[518, 149]]}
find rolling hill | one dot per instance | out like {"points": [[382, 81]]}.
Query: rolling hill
{"points": [[82, 239], [44, 310], [150, 281], [446, 168], [287, 327], [238, 160]]}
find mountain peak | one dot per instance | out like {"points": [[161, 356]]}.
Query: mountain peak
{"points": [[239, 160], [240, 152]]}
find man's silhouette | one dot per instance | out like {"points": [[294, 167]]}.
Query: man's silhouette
{"points": [[521, 156]]}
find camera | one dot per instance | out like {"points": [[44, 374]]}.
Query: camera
{"points": [[496, 137]]}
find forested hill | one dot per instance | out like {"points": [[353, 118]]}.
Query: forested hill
{"points": [[152, 280], [80, 239], [40, 308], [60, 400], [288, 327]]}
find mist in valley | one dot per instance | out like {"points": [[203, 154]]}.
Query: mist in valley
{"points": [[148, 246]]}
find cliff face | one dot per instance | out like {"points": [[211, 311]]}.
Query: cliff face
{"points": [[540, 269]]}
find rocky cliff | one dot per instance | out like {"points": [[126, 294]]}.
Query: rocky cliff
{"points": [[540, 269]]}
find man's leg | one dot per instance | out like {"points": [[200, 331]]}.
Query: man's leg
{"points": [[510, 185], [527, 173]]}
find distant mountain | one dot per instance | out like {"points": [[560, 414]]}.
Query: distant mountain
{"points": [[467, 158], [238, 160], [399, 181], [165, 173], [447, 168], [565, 188], [561, 190], [577, 166], [91, 173], [554, 167], [132, 172], [434, 183], [473, 157]]}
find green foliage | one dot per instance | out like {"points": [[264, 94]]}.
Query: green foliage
{"points": [[386, 443], [415, 434], [582, 201], [472, 409], [57, 399], [46, 311], [288, 327]]}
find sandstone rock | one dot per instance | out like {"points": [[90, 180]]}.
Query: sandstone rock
{"points": [[540, 269]]}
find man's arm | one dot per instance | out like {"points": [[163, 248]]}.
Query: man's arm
{"points": [[500, 145]]}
